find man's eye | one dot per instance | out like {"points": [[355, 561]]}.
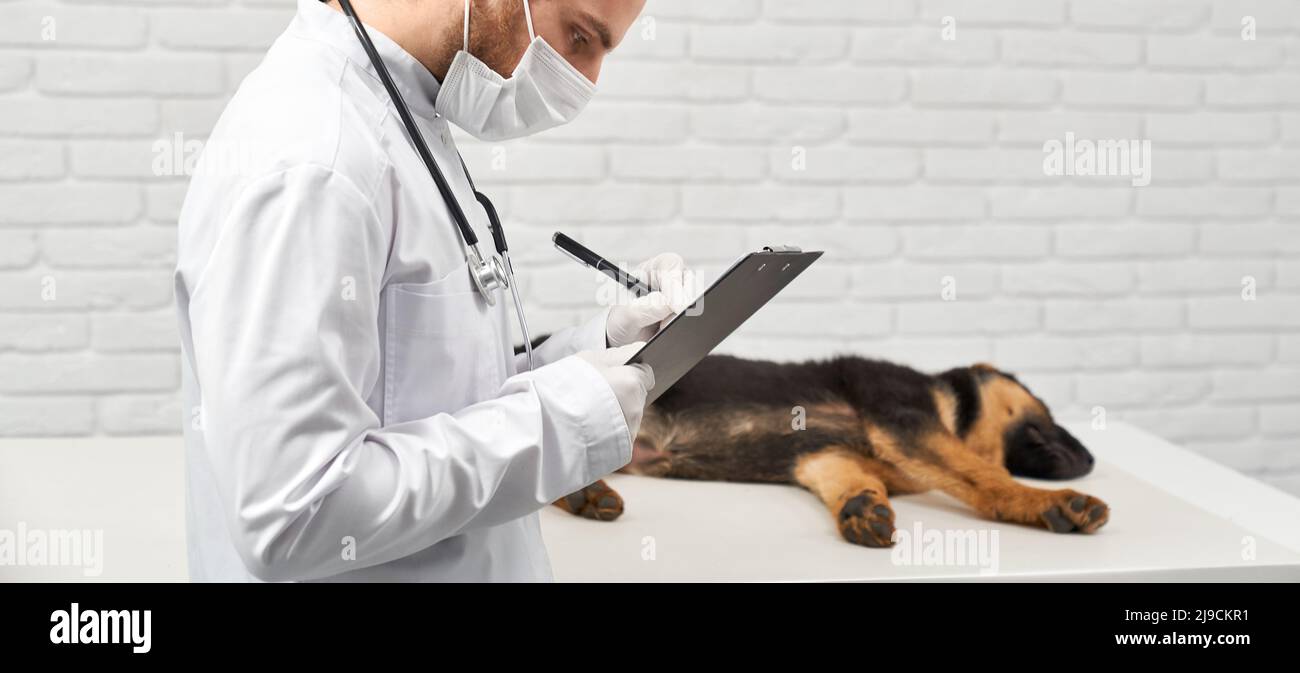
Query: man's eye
{"points": [[579, 38]]}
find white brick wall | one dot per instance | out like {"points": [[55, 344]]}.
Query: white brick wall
{"points": [[923, 161]]}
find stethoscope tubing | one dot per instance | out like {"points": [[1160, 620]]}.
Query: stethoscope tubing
{"points": [[416, 138], [467, 234]]}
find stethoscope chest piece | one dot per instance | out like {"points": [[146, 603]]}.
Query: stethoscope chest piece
{"points": [[488, 274]]}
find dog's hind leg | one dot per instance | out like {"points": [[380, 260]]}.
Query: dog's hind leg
{"points": [[856, 498], [597, 501], [939, 460]]}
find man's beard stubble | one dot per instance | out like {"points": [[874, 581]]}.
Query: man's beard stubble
{"points": [[498, 34]]}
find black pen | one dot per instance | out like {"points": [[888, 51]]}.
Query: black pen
{"points": [[588, 258]]}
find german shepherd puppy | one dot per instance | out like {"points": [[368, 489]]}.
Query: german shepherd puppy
{"points": [[855, 431]]}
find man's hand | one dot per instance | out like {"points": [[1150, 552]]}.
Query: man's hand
{"points": [[631, 384], [644, 316]]}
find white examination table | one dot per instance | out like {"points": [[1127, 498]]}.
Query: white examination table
{"points": [[1174, 515]]}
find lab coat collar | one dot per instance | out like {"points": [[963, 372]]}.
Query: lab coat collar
{"points": [[419, 87]]}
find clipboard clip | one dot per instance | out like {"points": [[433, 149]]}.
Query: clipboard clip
{"points": [[781, 248]]}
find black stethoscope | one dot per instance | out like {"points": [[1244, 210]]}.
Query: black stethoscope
{"points": [[488, 273]]}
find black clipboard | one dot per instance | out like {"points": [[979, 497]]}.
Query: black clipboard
{"points": [[735, 296]]}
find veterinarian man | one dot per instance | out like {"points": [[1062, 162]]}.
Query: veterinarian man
{"points": [[355, 409]]}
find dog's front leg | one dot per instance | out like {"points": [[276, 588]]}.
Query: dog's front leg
{"points": [[940, 460], [855, 496]]}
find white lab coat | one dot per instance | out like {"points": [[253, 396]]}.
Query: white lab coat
{"points": [[354, 407]]}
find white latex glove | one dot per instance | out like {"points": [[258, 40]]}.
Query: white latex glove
{"points": [[644, 316], [630, 383]]}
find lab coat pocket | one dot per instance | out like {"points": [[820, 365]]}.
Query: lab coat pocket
{"points": [[439, 353]]}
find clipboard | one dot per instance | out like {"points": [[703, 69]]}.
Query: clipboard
{"points": [[735, 296]]}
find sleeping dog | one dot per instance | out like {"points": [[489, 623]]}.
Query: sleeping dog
{"points": [[854, 432]]}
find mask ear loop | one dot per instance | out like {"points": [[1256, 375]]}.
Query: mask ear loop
{"points": [[465, 39], [528, 14]]}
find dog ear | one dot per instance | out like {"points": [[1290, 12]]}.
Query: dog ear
{"points": [[964, 384], [985, 369]]}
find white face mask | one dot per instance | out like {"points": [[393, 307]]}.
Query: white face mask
{"points": [[543, 92]]}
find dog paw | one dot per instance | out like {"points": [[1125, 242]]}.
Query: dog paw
{"points": [[597, 501], [1074, 512], [867, 519]]}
